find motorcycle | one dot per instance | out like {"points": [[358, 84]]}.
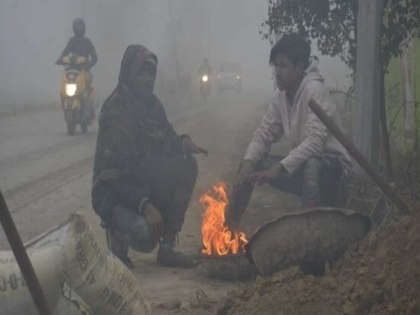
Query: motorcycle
{"points": [[205, 85], [77, 93]]}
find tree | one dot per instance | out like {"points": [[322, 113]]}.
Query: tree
{"points": [[333, 25]]}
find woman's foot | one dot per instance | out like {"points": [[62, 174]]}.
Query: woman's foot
{"points": [[169, 258], [117, 246]]}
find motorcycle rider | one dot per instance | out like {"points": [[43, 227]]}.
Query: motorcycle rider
{"points": [[205, 68], [205, 84], [80, 45]]}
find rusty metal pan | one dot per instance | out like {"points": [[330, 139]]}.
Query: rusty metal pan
{"points": [[308, 237]]}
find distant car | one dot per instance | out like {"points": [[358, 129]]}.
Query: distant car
{"points": [[229, 77]]}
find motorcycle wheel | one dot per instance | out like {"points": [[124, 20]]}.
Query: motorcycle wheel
{"points": [[87, 115], [71, 122]]}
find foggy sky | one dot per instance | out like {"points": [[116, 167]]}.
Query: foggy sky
{"points": [[34, 33]]}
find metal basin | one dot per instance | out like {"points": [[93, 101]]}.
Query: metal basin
{"points": [[229, 267], [309, 237]]}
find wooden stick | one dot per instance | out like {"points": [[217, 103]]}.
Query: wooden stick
{"points": [[22, 259], [360, 159]]}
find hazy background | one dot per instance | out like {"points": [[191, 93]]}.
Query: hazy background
{"points": [[33, 34]]}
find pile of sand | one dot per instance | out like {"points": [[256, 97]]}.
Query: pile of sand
{"points": [[378, 276]]}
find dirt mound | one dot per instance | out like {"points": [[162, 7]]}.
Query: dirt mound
{"points": [[378, 276]]}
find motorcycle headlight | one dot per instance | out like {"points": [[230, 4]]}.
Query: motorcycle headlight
{"points": [[71, 89], [205, 78]]}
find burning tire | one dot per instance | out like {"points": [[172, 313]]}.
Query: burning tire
{"points": [[229, 267], [223, 250]]}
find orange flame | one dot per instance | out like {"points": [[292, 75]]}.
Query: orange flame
{"points": [[217, 238]]}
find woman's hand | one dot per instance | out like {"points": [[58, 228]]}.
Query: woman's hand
{"points": [[188, 147]]}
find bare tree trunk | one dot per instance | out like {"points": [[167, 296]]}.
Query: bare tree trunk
{"points": [[384, 130], [382, 112]]}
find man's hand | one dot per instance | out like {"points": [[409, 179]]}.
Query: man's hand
{"points": [[154, 220], [247, 168], [188, 147], [239, 200], [240, 195], [264, 177]]}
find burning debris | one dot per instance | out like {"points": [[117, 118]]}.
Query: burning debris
{"points": [[223, 249], [218, 239]]}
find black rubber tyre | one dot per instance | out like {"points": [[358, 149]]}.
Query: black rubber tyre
{"points": [[71, 122]]}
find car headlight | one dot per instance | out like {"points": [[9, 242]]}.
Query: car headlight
{"points": [[205, 78], [71, 89], [238, 77]]}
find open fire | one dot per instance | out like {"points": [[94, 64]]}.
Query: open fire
{"points": [[218, 239]]}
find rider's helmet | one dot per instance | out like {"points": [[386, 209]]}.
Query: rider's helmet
{"points": [[79, 27]]}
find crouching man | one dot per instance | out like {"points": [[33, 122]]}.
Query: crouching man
{"points": [[317, 162]]}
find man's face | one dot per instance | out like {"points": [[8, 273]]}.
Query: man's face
{"points": [[288, 76], [144, 83]]}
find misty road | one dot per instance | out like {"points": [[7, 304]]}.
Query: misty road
{"points": [[38, 157]]}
